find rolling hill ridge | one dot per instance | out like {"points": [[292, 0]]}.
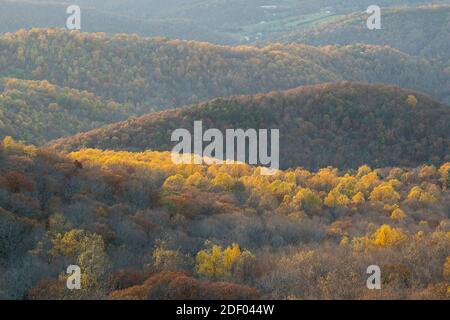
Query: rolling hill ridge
{"points": [[420, 31], [160, 73], [37, 111], [343, 124]]}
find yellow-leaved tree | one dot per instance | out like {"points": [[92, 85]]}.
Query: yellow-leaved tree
{"points": [[223, 181], [419, 196], [398, 214], [87, 250], [385, 193], [216, 262], [386, 236]]}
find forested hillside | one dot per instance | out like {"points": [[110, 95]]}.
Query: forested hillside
{"points": [[422, 31], [37, 111], [169, 73], [143, 228], [339, 124], [88, 181]]}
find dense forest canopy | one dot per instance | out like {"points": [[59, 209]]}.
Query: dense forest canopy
{"points": [[165, 73], [340, 124], [37, 111], [144, 228], [87, 177]]}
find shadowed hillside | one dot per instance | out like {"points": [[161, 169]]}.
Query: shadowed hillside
{"points": [[342, 124]]}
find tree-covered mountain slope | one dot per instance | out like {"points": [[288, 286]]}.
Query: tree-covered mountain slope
{"points": [[141, 228], [37, 111], [420, 31], [344, 124], [166, 73]]}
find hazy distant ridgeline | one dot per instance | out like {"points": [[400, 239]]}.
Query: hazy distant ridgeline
{"points": [[379, 64], [166, 73], [341, 124], [217, 21], [423, 31], [26, 14]]}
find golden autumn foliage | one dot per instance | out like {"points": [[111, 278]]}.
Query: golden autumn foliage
{"points": [[368, 182], [386, 236], [216, 262], [385, 193], [364, 170], [418, 195], [290, 190], [336, 199], [358, 198], [398, 214], [223, 181], [104, 210]]}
